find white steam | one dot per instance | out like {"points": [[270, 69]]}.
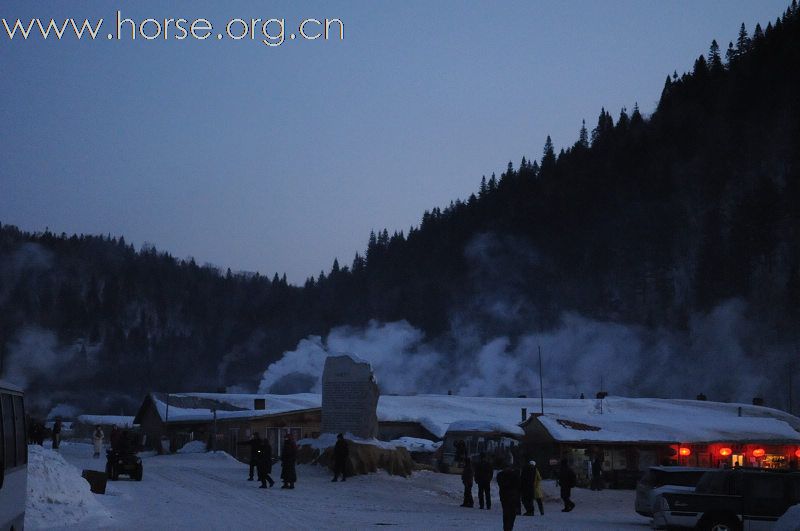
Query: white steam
{"points": [[715, 356]]}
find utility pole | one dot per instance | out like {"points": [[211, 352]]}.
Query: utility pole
{"points": [[214, 440], [541, 386]]}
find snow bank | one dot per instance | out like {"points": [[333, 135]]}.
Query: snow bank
{"points": [[193, 447], [57, 494], [790, 521], [414, 444]]}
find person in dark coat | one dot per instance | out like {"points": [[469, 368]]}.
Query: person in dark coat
{"points": [[114, 437], [597, 472], [527, 486], [467, 478], [262, 456], [253, 444], [341, 453], [483, 477], [508, 480], [566, 480], [288, 459], [56, 435]]}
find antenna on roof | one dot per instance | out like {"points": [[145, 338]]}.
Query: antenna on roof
{"points": [[541, 387]]}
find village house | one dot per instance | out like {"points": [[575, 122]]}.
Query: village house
{"points": [[633, 434], [630, 434]]}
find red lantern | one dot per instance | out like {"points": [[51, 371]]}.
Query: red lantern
{"points": [[797, 453], [683, 451], [758, 452], [725, 452]]}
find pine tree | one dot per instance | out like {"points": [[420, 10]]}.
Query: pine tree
{"points": [[714, 58], [583, 137], [700, 67], [730, 55], [548, 156], [742, 42], [758, 35], [482, 190], [636, 116]]}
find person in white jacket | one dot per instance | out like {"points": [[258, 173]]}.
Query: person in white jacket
{"points": [[97, 440]]}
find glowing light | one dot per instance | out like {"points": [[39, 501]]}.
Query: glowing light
{"points": [[725, 452], [684, 451], [758, 452], [797, 453]]}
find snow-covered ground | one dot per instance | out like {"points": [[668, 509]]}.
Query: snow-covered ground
{"points": [[210, 491]]}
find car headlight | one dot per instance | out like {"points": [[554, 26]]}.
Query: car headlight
{"points": [[663, 504]]}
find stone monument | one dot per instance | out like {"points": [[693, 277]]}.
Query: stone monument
{"points": [[349, 397]]}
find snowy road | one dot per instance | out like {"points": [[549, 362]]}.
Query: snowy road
{"points": [[204, 491]]}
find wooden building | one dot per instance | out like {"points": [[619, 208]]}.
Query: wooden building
{"points": [[633, 434]]}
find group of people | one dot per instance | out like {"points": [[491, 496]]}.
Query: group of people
{"points": [[481, 474], [518, 487], [261, 461], [37, 432], [118, 439]]}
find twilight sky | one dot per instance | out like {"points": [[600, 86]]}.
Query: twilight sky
{"points": [[280, 159]]}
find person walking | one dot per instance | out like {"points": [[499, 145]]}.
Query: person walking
{"points": [[597, 472], [508, 481], [341, 453], [527, 486], [97, 440], [114, 437], [467, 478], [483, 477], [288, 460], [262, 456], [537, 488], [56, 435], [254, 443], [566, 480]]}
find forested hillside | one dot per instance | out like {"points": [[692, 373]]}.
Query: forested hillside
{"points": [[645, 220]]}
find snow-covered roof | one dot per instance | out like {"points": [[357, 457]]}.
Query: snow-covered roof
{"points": [[198, 407], [440, 413], [10, 386], [621, 419], [120, 421], [666, 420]]}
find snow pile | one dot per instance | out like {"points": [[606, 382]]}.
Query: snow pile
{"points": [[193, 447], [790, 521], [414, 444], [57, 494]]}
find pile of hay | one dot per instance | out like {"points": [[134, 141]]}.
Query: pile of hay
{"points": [[365, 456]]}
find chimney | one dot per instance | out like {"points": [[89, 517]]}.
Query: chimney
{"points": [[701, 397], [758, 401], [260, 404], [524, 414]]}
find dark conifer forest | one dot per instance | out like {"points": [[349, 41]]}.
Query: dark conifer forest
{"points": [[645, 220]]}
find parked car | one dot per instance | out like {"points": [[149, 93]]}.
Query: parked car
{"points": [[737, 499], [660, 479]]}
